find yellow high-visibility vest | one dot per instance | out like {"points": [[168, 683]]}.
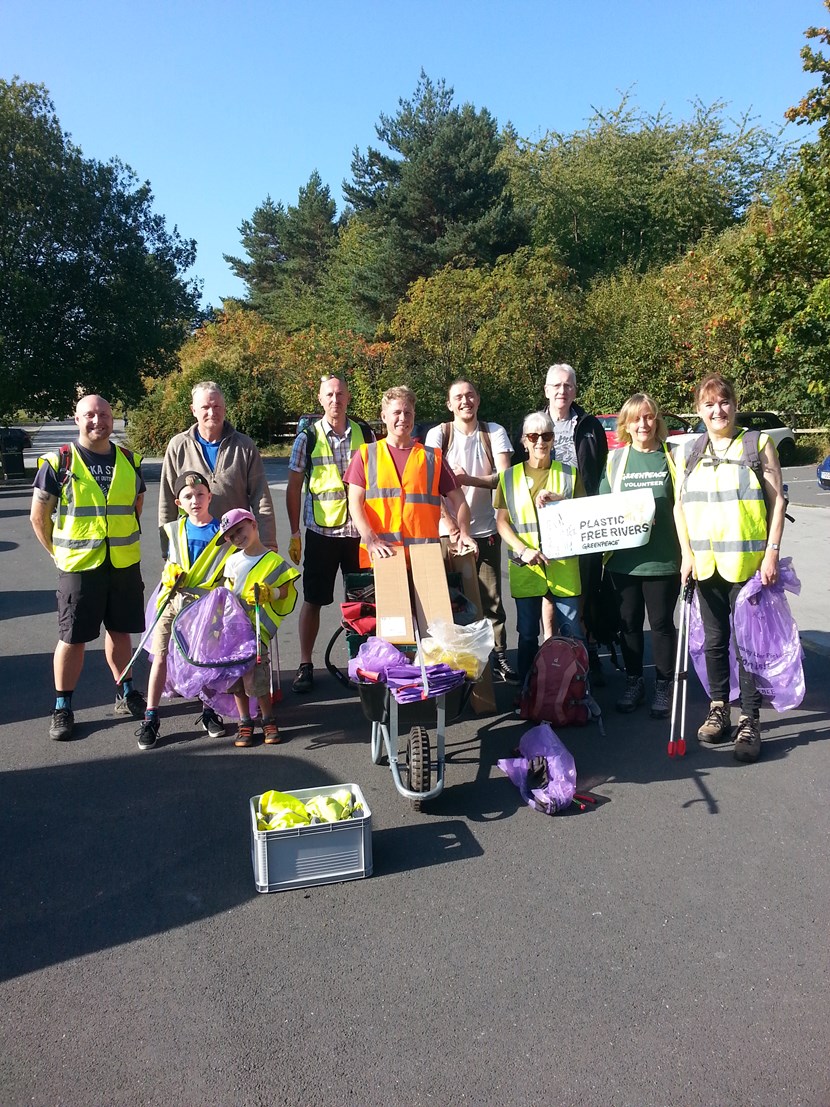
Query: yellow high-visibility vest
{"points": [[273, 571], [86, 523], [206, 570], [726, 517], [329, 501], [561, 575]]}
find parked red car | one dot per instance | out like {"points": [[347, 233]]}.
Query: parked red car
{"points": [[676, 424]]}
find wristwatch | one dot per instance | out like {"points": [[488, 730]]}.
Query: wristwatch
{"points": [[773, 546]]}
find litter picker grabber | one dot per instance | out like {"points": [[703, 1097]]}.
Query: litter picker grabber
{"points": [[276, 676], [677, 747], [258, 625], [148, 632]]}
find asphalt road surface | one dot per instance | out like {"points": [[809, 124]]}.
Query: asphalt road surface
{"points": [[666, 947]]}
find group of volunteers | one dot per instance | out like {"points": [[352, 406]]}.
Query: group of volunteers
{"points": [[719, 516]]}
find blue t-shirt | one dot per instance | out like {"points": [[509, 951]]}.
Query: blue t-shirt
{"points": [[209, 449], [198, 537]]}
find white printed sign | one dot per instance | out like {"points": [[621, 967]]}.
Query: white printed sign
{"points": [[590, 524]]}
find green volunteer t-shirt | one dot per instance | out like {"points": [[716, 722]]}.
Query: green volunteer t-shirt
{"points": [[661, 554]]}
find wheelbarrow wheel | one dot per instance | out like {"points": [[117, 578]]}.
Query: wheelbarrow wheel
{"points": [[417, 758]]}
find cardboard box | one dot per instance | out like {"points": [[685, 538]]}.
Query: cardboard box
{"points": [[394, 600], [394, 607], [429, 585]]}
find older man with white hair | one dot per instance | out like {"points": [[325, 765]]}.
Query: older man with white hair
{"points": [[579, 440], [228, 459]]}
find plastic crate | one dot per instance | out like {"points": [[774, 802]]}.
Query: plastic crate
{"points": [[302, 856]]}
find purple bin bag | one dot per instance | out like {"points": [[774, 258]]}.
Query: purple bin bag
{"points": [[213, 644], [558, 793], [697, 652], [767, 637], [375, 656]]}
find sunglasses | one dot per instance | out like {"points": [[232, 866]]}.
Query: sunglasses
{"points": [[534, 436]]}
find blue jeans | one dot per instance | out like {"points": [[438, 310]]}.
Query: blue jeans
{"points": [[528, 617]]}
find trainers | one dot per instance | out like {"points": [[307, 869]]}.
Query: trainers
{"points": [[63, 724], [633, 696], [244, 735], [718, 724], [271, 733], [148, 733], [132, 704], [747, 739], [661, 704], [304, 680], [596, 670], [212, 723], [502, 671]]}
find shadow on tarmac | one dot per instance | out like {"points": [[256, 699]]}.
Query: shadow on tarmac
{"points": [[109, 851], [17, 605]]}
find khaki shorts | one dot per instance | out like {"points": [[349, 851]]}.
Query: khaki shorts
{"points": [[257, 681], [164, 627]]}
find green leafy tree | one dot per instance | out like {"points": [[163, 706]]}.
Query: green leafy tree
{"points": [[636, 191], [287, 254], [780, 265], [92, 286], [437, 196]]}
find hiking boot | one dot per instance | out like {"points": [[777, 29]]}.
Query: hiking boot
{"points": [[63, 724], [718, 724], [212, 723], [271, 733], [304, 680], [244, 735], [597, 672], [132, 704], [633, 696], [502, 671], [747, 739], [661, 704], [148, 733]]}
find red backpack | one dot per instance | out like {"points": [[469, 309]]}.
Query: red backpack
{"points": [[556, 690]]}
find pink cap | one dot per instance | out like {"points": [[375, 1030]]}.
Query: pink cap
{"points": [[231, 518]]}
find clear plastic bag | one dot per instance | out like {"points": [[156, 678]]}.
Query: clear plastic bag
{"points": [[466, 648], [767, 637]]}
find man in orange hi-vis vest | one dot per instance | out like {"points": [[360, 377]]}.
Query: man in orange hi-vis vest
{"points": [[396, 486]]}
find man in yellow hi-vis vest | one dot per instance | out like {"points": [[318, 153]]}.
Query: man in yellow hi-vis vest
{"points": [[94, 490], [319, 458]]}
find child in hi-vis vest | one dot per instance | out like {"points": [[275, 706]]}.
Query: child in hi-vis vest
{"points": [[264, 584]]}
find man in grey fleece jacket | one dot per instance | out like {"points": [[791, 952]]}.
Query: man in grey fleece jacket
{"points": [[229, 460]]}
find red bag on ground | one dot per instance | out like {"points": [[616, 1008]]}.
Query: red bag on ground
{"points": [[556, 690]]}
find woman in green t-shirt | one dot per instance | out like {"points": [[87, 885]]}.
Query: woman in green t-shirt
{"points": [[646, 577]]}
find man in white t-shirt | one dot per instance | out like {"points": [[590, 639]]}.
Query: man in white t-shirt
{"points": [[477, 452]]}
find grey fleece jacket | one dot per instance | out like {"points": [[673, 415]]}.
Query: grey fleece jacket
{"points": [[237, 481]]}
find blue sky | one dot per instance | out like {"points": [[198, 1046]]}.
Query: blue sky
{"points": [[220, 104]]}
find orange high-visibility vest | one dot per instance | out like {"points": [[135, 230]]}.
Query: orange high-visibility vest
{"points": [[401, 512]]}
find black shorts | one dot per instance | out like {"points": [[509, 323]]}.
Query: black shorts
{"points": [[114, 597], [323, 557]]}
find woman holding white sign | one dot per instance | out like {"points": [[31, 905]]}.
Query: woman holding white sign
{"points": [[645, 577], [521, 490]]}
